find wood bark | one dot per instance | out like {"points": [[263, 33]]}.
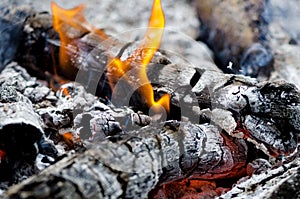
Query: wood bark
{"points": [[130, 167]]}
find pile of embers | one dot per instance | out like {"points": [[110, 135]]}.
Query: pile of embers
{"points": [[87, 115]]}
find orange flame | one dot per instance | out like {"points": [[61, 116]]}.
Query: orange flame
{"points": [[150, 44], [71, 24]]}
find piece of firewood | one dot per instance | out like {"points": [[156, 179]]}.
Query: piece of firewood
{"points": [[237, 103], [130, 167]]}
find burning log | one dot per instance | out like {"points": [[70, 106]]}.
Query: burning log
{"points": [[252, 104], [231, 95], [240, 118], [20, 130], [112, 168], [276, 183]]}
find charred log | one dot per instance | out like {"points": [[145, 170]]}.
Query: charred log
{"points": [[112, 168], [276, 183]]}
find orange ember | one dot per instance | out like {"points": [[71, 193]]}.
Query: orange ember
{"points": [[71, 139], [71, 24], [2, 155]]}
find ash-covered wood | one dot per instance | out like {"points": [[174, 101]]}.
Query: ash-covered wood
{"points": [[237, 103], [265, 113], [130, 167], [21, 128], [17, 77], [240, 118], [281, 182]]}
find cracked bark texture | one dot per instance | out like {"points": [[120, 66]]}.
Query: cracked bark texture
{"points": [[243, 107], [265, 114], [130, 167], [279, 182], [240, 105]]}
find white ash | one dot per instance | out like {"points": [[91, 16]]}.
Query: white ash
{"points": [[222, 118]]}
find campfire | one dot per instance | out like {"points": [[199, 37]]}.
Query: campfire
{"points": [[148, 113]]}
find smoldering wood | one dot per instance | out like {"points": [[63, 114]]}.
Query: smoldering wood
{"points": [[261, 112], [17, 111], [20, 134], [231, 95], [75, 110], [42, 45], [112, 168], [224, 91], [276, 183], [17, 77], [35, 52], [20, 126], [234, 103]]}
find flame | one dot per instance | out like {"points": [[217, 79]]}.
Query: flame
{"points": [[71, 24], [145, 52]]}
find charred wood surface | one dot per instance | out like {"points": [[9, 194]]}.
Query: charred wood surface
{"points": [[130, 167], [11, 23], [21, 128], [240, 118], [281, 182], [241, 106]]}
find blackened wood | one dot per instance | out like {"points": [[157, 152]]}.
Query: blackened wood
{"points": [[237, 103], [35, 52], [11, 23], [281, 182], [130, 167], [265, 113], [20, 126]]}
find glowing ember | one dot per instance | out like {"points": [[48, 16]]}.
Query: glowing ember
{"points": [[2, 155], [71, 24]]}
